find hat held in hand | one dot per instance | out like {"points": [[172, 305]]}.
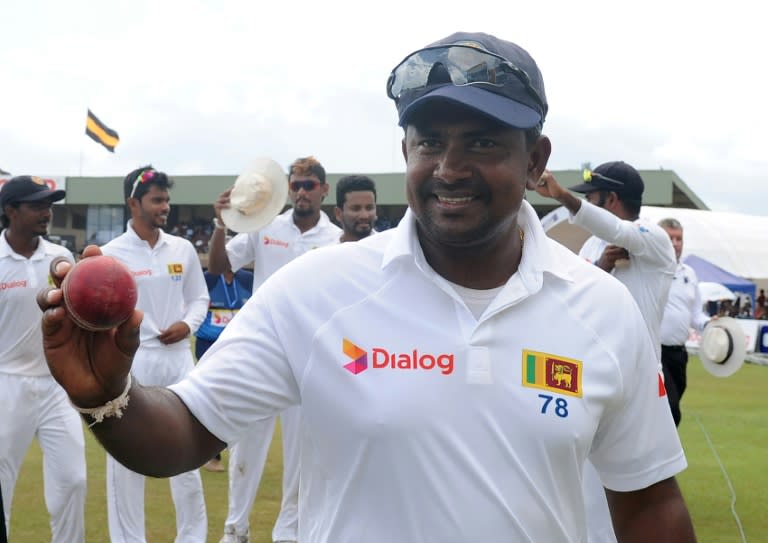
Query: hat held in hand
{"points": [[259, 194], [722, 347]]}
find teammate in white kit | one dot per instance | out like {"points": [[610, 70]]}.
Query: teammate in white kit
{"points": [[637, 252], [299, 229], [355, 207], [454, 372], [174, 299], [32, 404]]}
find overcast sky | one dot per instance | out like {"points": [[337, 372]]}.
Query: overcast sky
{"points": [[201, 87]]}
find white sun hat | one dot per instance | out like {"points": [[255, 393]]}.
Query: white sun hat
{"points": [[259, 194], [722, 347]]}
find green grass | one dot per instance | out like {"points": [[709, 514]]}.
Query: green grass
{"points": [[29, 523], [723, 418]]}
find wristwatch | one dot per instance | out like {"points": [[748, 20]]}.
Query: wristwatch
{"points": [[218, 225]]}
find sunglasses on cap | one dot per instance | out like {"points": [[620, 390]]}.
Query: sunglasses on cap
{"points": [[589, 175], [308, 185], [144, 177], [465, 64]]}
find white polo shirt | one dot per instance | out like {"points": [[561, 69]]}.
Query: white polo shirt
{"points": [[648, 275], [170, 283], [684, 307], [423, 423], [21, 278], [279, 243]]}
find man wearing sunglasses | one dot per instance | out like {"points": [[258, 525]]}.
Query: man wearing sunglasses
{"points": [[454, 372], [636, 251], [303, 227]]}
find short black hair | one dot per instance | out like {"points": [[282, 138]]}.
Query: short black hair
{"points": [[149, 176], [632, 205], [352, 183], [5, 222]]}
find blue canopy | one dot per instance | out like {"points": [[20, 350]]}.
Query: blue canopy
{"points": [[706, 271]]}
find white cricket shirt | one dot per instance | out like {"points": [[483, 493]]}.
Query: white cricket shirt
{"points": [[684, 307], [648, 275], [170, 283], [21, 278], [423, 423], [279, 243]]}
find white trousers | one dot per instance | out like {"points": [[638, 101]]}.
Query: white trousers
{"points": [[246, 465], [125, 488], [125, 505], [38, 407]]}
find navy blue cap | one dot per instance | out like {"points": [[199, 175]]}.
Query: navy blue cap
{"points": [[513, 104], [27, 188], [616, 176]]}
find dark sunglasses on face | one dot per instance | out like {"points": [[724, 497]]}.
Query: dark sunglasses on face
{"points": [[308, 185]]}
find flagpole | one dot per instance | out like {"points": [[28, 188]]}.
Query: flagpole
{"points": [[80, 164]]}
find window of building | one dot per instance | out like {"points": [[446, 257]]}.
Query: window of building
{"points": [[59, 217], [104, 224]]}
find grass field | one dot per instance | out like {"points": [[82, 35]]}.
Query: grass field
{"points": [[724, 424]]}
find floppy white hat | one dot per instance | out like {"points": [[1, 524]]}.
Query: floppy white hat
{"points": [[259, 194], [722, 347]]}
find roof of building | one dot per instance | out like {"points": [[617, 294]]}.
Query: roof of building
{"points": [[662, 188]]}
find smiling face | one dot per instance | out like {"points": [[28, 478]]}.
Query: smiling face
{"points": [[357, 215], [466, 175], [152, 209]]}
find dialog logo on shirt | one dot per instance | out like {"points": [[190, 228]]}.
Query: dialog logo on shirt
{"points": [[273, 241], [552, 372], [384, 359], [20, 283], [359, 357], [176, 271]]}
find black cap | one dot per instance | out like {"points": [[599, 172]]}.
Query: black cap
{"points": [[618, 177], [512, 104], [27, 188]]}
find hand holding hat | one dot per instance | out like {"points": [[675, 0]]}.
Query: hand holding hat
{"points": [[259, 194], [722, 347]]}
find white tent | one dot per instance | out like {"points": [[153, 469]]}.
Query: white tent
{"points": [[714, 292], [736, 242]]}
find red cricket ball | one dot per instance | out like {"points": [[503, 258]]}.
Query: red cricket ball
{"points": [[99, 293]]}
